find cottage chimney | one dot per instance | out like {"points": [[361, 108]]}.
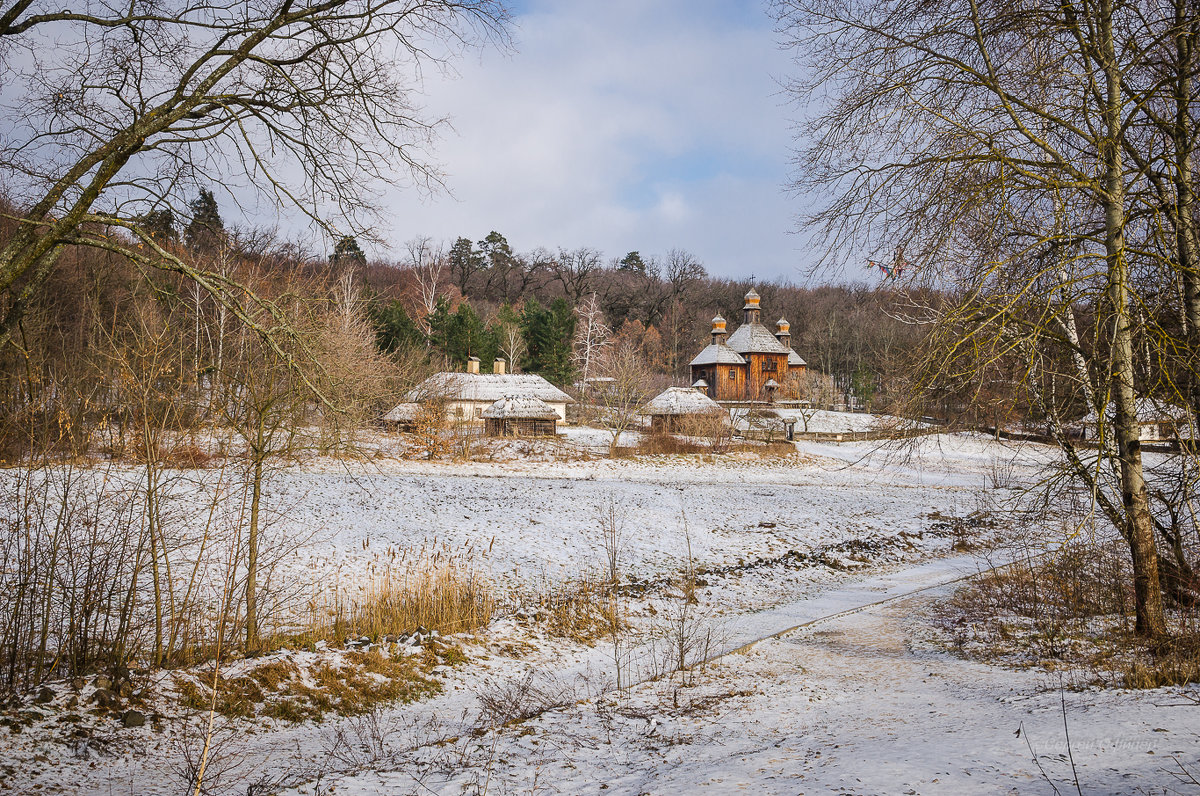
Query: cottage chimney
{"points": [[473, 365], [750, 311], [783, 332], [498, 367], [718, 331]]}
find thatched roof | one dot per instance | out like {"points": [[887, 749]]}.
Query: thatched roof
{"points": [[486, 387], [403, 413], [520, 407], [682, 401]]}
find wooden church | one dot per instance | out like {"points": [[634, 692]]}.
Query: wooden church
{"points": [[752, 364]]}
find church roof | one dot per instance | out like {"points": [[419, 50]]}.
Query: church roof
{"points": [[794, 360], [718, 354], [754, 338]]}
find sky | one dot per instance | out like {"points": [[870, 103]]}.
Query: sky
{"points": [[619, 125]]}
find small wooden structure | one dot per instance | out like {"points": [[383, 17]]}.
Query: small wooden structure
{"points": [[520, 415], [670, 410], [403, 417]]}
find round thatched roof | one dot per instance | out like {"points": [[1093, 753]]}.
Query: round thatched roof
{"points": [[403, 413], [520, 407], [682, 401]]}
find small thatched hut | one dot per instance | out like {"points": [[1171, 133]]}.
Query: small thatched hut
{"points": [[403, 417], [670, 410], [520, 415]]}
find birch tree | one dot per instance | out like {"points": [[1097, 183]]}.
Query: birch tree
{"points": [[990, 140], [592, 338], [428, 264]]}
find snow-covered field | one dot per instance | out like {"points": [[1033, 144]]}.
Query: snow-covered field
{"points": [[857, 703]]}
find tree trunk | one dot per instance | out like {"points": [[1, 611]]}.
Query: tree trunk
{"points": [[1185, 228], [252, 556], [1139, 528]]}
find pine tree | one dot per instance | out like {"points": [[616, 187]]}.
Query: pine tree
{"points": [[206, 230], [549, 333], [160, 224], [347, 252], [394, 328], [461, 334]]}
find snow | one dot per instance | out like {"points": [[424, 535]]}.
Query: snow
{"points": [[838, 538], [854, 705], [681, 401]]}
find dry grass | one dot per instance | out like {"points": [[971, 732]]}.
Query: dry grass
{"points": [[1072, 610], [434, 591], [349, 684], [583, 610], [658, 444]]}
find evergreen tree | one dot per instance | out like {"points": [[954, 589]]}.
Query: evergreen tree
{"points": [[347, 252], [461, 334], [394, 329], [160, 224], [632, 262], [465, 261], [206, 229], [495, 251], [549, 333]]}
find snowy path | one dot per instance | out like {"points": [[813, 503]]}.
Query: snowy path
{"points": [[853, 707], [851, 597]]}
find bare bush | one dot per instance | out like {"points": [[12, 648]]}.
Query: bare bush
{"points": [[503, 701]]}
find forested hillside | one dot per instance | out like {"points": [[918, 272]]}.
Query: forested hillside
{"points": [[108, 344]]}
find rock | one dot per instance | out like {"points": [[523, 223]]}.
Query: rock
{"points": [[102, 682], [44, 696], [105, 698], [422, 631], [78, 683], [133, 718], [125, 690]]}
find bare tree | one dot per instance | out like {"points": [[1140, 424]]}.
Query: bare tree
{"points": [[592, 338], [622, 398], [120, 110], [986, 145], [264, 405], [575, 270], [429, 268]]}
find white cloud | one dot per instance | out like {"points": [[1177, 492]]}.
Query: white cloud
{"points": [[620, 125]]}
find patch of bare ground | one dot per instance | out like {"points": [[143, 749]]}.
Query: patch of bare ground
{"points": [[1070, 612]]}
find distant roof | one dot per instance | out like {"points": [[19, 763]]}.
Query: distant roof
{"points": [[486, 387], [1149, 410], [682, 401], [717, 354], [403, 413], [522, 407], [699, 384], [794, 360], [754, 338]]}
